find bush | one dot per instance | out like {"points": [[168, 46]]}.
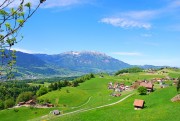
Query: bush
{"points": [[25, 96], [129, 70], [16, 110], [1, 105], [42, 91], [142, 90], [9, 103]]}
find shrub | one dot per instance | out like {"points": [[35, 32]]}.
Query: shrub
{"points": [[9, 103], [25, 96], [1, 105], [142, 90]]}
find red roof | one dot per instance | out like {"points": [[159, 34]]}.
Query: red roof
{"points": [[147, 85], [30, 101], [138, 103]]}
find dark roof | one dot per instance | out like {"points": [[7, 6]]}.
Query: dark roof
{"points": [[138, 103]]}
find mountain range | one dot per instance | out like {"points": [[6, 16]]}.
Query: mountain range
{"points": [[67, 64]]}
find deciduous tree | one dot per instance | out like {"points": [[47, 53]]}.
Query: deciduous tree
{"points": [[142, 90], [12, 19]]}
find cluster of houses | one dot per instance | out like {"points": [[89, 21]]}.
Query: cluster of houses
{"points": [[33, 103], [27, 103], [138, 103], [118, 87]]}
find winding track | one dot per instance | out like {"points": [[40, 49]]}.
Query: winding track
{"points": [[85, 110], [83, 104]]}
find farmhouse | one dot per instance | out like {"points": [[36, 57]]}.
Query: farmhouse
{"points": [[21, 103], [47, 105], [148, 85], [138, 104], [30, 102], [56, 112], [50, 105]]}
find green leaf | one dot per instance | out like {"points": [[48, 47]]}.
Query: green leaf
{"points": [[8, 25], [20, 21], [3, 12], [28, 5]]}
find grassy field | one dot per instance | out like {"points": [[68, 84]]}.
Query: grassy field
{"points": [[158, 107], [94, 93], [23, 114]]}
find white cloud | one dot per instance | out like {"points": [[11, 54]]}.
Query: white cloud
{"points": [[16, 3], [143, 18], [61, 3], [140, 15], [125, 23], [128, 53], [22, 50], [51, 3]]}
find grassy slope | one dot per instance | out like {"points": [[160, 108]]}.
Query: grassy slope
{"points": [[23, 114], [97, 88], [159, 108]]}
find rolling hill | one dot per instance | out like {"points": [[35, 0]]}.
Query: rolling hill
{"points": [[66, 64], [86, 102]]}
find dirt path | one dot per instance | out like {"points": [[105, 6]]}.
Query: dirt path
{"points": [[85, 110], [83, 104]]}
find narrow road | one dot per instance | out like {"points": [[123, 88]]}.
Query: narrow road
{"points": [[83, 110], [83, 104]]}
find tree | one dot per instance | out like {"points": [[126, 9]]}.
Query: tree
{"points": [[178, 85], [1, 105], [25, 96], [142, 90], [42, 91], [9, 103], [12, 20]]}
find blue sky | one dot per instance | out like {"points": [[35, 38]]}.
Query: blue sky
{"points": [[134, 31]]}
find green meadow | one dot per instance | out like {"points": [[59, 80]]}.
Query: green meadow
{"points": [[94, 92], [158, 107]]}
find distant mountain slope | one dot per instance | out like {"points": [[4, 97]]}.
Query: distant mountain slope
{"points": [[68, 64], [28, 60], [84, 61]]}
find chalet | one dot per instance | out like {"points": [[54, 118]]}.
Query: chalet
{"points": [[136, 84], [127, 87], [110, 85], [50, 105], [117, 90], [47, 105], [56, 112], [138, 104], [30, 102], [21, 103], [148, 85], [117, 95], [116, 85]]}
